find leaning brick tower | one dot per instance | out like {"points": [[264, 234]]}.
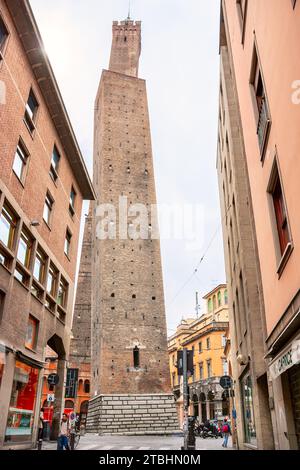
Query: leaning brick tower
{"points": [[131, 391]]}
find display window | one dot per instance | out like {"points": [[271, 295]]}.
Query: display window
{"points": [[248, 407], [22, 403]]}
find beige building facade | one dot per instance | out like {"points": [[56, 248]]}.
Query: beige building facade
{"points": [[205, 336]]}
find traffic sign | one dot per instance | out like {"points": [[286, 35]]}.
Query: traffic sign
{"points": [[50, 397], [226, 381], [53, 379]]}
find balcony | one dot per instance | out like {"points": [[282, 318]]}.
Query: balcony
{"points": [[263, 127]]}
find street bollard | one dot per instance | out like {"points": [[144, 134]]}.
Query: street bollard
{"points": [[40, 443]]}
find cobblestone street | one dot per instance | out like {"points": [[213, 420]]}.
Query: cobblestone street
{"points": [[112, 443]]}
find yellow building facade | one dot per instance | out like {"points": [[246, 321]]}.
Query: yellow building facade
{"points": [[206, 336]]}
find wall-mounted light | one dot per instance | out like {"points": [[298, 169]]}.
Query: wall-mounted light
{"points": [[35, 223]]}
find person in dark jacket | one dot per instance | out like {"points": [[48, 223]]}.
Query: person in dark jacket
{"points": [[226, 431]]}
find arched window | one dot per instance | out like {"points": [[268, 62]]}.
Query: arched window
{"points": [[136, 358], [209, 305], [226, 297], [214, 302], [80, 383], [87, 386], [219, 299]]}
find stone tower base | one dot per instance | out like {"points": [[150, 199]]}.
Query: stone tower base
{"points": [[132, 414]]}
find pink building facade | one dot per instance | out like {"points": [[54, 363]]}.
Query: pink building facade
{"points": [[262, 39]]}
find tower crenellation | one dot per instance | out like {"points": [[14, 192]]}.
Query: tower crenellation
{"points": [[126, 47]]}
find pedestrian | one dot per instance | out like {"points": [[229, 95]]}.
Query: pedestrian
{"points": [[41, 425], [226, 432], [63, 442]]}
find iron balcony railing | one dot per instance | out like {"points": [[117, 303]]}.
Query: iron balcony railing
{"points": [[263, 126]]}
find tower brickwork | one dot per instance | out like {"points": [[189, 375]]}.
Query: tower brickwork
{"points": [[130, 373]]}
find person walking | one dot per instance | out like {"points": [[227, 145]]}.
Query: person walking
{"points": [[226, 430], [41, 425], [63, 442]]}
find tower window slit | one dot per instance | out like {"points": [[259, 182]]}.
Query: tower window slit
{"points": [[136, 357]]}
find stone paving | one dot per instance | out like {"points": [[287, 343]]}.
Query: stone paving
{"points": [[146, 443]]}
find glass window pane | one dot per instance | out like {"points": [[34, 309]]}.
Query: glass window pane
{"points": [[4, 230], [18, 275], [46, 214], [22, 404], [3, 32], [248, 405], [18, 166], [37, 269], [55, 158]]}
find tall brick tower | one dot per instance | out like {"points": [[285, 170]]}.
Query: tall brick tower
{"points": [[130, 373]]}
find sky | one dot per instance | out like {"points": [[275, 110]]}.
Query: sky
{"points": [[180, 63]]}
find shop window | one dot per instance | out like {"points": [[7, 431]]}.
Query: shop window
{"points": [[48, 208], [62, 293], [20, 419], [87, 386], [39, 266], [8, 224], [248, 410], [72, 201], [25, 249], [32, 332], [31, 111], [54, 163], [136, 358], [20, 162]]}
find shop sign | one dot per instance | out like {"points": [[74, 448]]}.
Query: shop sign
{"points": [[285, 361]]}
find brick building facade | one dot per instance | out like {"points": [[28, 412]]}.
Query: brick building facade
{"points": [[43, 181]]}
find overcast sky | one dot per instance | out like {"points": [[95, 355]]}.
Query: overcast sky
{"points": [[180, 62]]}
